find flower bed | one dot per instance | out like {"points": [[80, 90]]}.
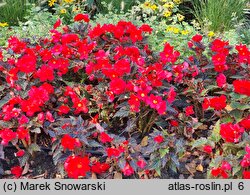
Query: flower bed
{"points": [[141, 113]]}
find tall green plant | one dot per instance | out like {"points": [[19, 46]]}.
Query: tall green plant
{"points": [[218, 15], [12, 11], [104, 6], [244, 32]]}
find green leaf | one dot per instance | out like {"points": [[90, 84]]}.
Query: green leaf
{"points": [[199, 142], [4, 100], [158, 171], [240, 153], [197, 125], [155, 164], [57, 154], [237, 114], [6, 124], [2, 87], [163, 152], [179, 146], [24, 159], [216, 161], [237, 77], [227, 119], [121, 163], [239, 106], [34, 148], [236, 170], [36, 130], [123, 112], [215, 136], [210, 87], [237, 96]]}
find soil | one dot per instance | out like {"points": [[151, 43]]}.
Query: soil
{"points": [[40, 165]]}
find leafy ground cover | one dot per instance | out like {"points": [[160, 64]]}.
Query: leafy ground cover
{"points": [[120, 97]]}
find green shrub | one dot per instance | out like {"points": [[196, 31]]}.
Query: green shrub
{"points": [[119, 5], [244, 33], [13, 11], [37, 24], [165, 29], [218, 15]]}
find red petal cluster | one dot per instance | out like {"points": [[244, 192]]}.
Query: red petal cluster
{"points": [[77, 166], [127, 170], [158, 139], [218, 103], [80, 17], [246, 159], [242, 87], [231, 132], [7, 135], [17, 171], [70, 143], [99, 168], [222, 171]]}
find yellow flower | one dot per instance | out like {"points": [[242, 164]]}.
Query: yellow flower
{"points": [[169, 5], [169, 29], [167, 13], [68, 1], [178, 1], [173, 29], [63, 11], [3, 24], [76, 9], [176, 30], [51, 2], [184, 32], [147, 4], [180, 17], [210, 34], [153, 7]]}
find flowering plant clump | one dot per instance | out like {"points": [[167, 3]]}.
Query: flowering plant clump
{"points": [[164, 9], [112, 107]]}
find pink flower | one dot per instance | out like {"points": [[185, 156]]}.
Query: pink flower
{"points": [[141, 163], [127, 170], [221, 80]]}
